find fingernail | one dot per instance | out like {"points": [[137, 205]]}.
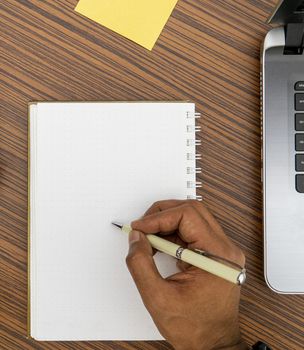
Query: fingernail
{"points": [[134, 236]]}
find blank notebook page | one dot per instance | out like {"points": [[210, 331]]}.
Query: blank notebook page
{"points": [[91, 164]]}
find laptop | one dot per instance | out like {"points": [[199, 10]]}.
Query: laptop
{"points": [[282, 97]]}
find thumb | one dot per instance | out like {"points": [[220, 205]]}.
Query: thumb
{"points": [[142, 266]]}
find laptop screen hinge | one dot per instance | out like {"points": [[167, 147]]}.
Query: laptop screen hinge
{"points": [[294, 33]]}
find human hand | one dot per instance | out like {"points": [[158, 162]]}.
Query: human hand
{"points": [[193, 309]]}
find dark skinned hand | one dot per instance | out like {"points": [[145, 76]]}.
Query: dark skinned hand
{"points": [[193, 309]]}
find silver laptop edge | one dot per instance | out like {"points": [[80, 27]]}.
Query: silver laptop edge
{"points": [[283, 205]]}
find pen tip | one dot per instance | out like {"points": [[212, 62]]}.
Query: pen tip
{"points": [[117, 225]]}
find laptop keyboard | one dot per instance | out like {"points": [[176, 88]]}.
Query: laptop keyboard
{"points": [[299, 136]]}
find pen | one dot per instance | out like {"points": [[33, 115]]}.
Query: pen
{"points": [[206, 261]]}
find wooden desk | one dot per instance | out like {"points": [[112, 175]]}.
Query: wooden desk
{"points": [[209, 54]]}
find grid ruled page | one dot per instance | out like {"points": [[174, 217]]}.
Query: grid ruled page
{"points": [[91, 164]]}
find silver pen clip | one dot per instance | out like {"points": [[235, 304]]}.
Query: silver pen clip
{"points": [[242, 275]]}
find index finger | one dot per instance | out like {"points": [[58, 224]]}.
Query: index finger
{"points": [[190, 226], [199, 206]]}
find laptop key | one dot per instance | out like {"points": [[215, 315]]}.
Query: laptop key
{"points": [[299, 102], [299, 162], [300, 142], [299, 122], [299, 86], [300, 183]]}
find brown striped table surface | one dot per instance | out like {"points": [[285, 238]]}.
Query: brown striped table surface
{"points": [[208, 53]]}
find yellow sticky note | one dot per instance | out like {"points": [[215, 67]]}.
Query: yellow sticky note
{"points": [[139, 20]]}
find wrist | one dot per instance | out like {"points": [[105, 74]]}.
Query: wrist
{"points": [[239, 346]]}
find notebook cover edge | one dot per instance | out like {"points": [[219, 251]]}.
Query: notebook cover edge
{"points": [[28, 222]]}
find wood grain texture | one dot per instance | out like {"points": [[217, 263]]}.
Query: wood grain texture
{"points": [[208, 53]]}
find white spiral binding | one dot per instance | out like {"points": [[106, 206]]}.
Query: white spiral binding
{"points": [[196, 115], [191, 156], [198, 198], [194, 142], [194, 170], [194, 156], [192, 128], [194, 184]]}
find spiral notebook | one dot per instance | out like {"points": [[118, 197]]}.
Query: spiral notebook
{"points": [[91, 164]]}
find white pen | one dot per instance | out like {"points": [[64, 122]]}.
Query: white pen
{"points": [[198, 258]]}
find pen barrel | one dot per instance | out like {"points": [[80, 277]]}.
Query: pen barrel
{"points": [[126, 229], [195, 259], [216, 268], [163, 245], [191, 257], [158, 243]]}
